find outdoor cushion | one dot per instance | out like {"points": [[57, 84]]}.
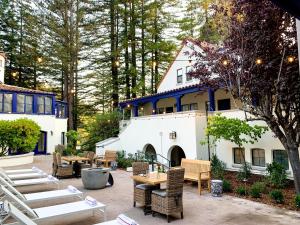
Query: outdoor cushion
{"points": [[145, 187], [160, 192]]}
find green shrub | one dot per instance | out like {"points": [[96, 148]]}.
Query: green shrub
{"points": [[277, 196], [276, 175], [20, 136], [217, 168], [241, 190], [124, 162], [256, 190], [244, 172], [227, 186], [297, 201], [261, 186]]}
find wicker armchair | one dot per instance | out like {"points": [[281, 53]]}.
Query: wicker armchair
{"points": [[169, 201], [63, 169], [89, 163], [142, 192], [54, 165]]}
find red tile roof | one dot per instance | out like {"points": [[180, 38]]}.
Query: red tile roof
{"points": [[6, 87]]}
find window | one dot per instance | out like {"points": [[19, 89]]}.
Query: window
{"points": [[6, 103], [20, 103], [44, 105], [169, 109], [224, 104], [28, 104], [188, 69], [160, 110], [280, 156], [48, 105], [63, 138], [258, 157], [238, 155], [194, 106], [179, 76], [185, 107]]}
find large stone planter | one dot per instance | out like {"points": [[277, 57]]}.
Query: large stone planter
{"points": [[216, 188], [95, 178], [16, 160]]}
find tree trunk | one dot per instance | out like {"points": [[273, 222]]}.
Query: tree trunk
{"points": [[133, 49], [143, 52], [293, 154], [126, 56], [114, 69]]}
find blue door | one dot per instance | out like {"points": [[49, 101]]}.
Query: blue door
{"points": [[41, 146]]}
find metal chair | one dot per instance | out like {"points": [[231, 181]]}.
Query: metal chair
{"points": [[169, 201]]}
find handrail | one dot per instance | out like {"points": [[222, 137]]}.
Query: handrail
{"points": [[153, 160]]}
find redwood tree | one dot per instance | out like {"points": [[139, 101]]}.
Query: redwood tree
{"points": [[258, 65]]}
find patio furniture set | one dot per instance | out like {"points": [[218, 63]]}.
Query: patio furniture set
{"points": [[168, 201], [14, 203]]}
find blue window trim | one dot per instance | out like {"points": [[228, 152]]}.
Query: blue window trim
{"points": [[34, 102], [25, 97], [58, 106]]}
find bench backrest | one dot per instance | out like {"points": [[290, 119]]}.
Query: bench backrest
{"points": [[195, 166], [110, 155]]}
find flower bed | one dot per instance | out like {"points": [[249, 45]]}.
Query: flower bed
{"points": [[288, 192]]}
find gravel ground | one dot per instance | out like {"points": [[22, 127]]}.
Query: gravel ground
{"points": [[203, 209]]}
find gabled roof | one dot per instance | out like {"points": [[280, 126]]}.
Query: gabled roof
{"points": [[12, 88]]}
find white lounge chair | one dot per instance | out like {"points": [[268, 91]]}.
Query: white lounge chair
{"points": [[17, 214], [60, 211], [18, 171], [23, 219], [43, 196], [27, 175], [45, 180]]}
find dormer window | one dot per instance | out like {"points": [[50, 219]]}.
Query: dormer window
{"points": [[179, 76], [188, 69]]}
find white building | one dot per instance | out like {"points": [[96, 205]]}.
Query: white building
{"points": [[39, 106], [172, 122]]}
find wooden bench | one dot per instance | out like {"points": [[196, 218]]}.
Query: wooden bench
{"points": [[197, 170], [109, 156]]}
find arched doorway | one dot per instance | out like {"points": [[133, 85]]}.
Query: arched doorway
{"points": [[176, 155], [149, 151]]}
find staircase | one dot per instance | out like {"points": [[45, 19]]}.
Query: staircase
{"points": [[156, 161]]}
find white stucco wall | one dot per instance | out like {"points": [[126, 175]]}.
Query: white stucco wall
{"points": [[48, 123], [169, 81], [155, 130]]}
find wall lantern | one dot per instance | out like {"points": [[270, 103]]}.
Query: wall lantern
{"points": [[172, 135]]}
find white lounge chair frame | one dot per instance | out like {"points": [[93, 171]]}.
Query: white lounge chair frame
{"points": [[55, 211], [41, 196], [17, 214], [28, 182]]}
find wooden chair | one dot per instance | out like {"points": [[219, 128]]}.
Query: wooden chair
{"points": [[63, 169], [169, 201], [109, 156], [88, 164], [197, 171], [141, 192]]}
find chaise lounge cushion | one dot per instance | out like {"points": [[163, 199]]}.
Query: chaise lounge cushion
{"points": [[160, 192]]}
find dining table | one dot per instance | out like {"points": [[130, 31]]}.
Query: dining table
{"points": [[72, 159], [152, 178]]}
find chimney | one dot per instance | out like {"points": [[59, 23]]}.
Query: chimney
{"points": [[2, 66]]}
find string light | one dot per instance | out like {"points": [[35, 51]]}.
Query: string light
{"points": [[291, 59], [225, 62], [128, 105], [142, 108], [14, 74], [72, 91], [258, 61], [39, 59], [117, 63], [153, 64], [240, 17]]}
